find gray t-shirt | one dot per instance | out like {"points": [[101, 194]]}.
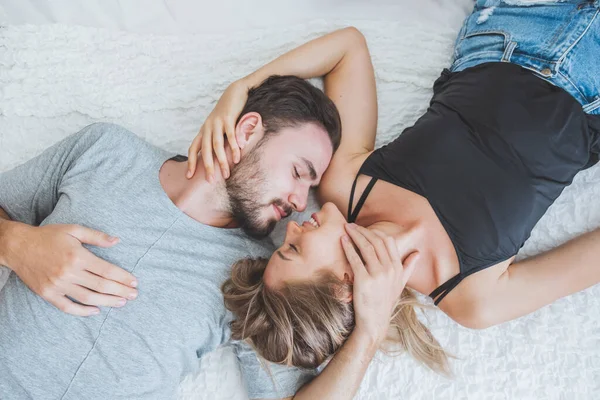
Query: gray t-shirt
{"points": [[106, 178]]}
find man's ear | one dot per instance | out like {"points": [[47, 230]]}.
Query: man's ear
{"points": [[249, 130]]}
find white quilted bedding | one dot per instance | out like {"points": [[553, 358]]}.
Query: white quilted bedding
{"points": [[55, 79]]}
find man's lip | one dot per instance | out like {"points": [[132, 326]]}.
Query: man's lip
{"points": [[280, 212]]}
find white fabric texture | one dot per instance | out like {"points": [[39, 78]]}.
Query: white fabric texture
{"points": [[55, 79], [206, 16]]}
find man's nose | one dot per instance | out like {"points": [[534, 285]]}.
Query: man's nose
{"points": [[299, 198]]}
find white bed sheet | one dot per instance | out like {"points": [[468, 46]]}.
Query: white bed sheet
{"points": [[192, 16], [56, 78]]}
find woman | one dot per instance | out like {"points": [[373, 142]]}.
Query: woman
{"points": [[511, 122]]}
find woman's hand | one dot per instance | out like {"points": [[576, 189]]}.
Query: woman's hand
{"points": [[341, 56], [378, 281], [219, 123]]}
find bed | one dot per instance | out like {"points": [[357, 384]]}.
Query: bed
{"points": [[158, 67]]}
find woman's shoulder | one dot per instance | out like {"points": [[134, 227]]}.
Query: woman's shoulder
{"points": [[336, 183]]}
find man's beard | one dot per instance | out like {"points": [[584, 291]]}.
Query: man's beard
{"points": [[245, 188]]}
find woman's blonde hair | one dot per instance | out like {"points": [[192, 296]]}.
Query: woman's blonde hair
{"points": [[304, 323]]}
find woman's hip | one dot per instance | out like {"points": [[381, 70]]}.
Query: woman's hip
{"points": [[558, 40]]}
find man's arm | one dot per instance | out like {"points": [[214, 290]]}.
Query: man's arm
{"points": [[50, 259], [528, 285]]}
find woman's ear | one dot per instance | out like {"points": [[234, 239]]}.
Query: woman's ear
{"points": [[349, 279], [344, 291], [347, 298], [249, 130]]}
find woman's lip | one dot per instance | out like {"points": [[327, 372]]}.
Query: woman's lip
{"points": [[314, 216]]}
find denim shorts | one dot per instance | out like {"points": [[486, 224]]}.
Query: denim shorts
{"points": [[558, 40]]}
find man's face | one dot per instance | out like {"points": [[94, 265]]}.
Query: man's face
{"points": [[273, 178]]}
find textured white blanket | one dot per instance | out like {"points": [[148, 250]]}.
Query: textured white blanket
{"points": [[56, 79]]}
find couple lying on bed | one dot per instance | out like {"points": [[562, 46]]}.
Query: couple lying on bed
{"points": [[441, 210]]}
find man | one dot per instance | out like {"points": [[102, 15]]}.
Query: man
{"points": [[172, 242]]}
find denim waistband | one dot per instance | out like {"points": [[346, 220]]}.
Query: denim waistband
{"points": [[558, 40]]}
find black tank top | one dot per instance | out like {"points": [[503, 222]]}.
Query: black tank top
{"points": [[495, 148]]}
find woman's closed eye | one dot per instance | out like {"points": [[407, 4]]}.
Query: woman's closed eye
{"points": [[293, 247]]}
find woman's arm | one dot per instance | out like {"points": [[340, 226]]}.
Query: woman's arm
{"points": [[378, 283], [528, 285], [342, 56], [342, 377], [344, 373]]}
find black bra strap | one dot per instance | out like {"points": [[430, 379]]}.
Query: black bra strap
{"points": [[353, 214], [438, 294], [351, 198]]}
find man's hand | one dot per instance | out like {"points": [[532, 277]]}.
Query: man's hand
{"points": [[378, 282], [52, 262]]}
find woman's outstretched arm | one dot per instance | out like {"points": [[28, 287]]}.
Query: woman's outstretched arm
{"points": [[528, 285]]}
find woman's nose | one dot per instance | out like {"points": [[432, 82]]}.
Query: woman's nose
{"points": [[293, 229]]}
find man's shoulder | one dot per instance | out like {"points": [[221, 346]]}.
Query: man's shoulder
{"points": [[115, 142], [109, 134], [244, 246], [259, 248], [227, 245]]}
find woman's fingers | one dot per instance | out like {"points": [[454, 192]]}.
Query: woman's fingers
{"points": [[353, 258], [207, 153], [219, 149], [366, 249], [371, 247], [408, 266], [193, 154], [378, 244], [390, 244], [404, 268], [231, 139]]}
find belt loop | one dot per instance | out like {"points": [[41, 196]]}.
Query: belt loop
{"points": [[588, 108], [509, 51]]}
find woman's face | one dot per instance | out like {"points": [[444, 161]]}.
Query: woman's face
{"points": [[311, 248]]}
